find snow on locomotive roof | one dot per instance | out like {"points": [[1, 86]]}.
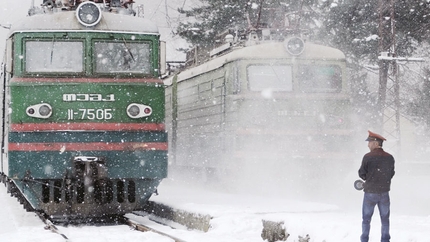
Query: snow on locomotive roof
{"points": [[272, 50], [67, 21]]}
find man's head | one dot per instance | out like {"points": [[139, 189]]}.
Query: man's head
{"points": [[375, 140]]}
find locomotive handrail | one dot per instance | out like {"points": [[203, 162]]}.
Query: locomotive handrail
{"points": [[25, 180], [3, 113]]}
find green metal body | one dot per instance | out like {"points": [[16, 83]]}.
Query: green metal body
{"points": [[88, 158], [30, 93], [223, 130]]}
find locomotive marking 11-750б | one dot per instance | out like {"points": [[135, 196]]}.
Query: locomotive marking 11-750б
{"points": [[83, 109]]}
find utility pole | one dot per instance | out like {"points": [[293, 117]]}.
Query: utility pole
{"points": [[388, 106], [388, 113], [386, 46]]}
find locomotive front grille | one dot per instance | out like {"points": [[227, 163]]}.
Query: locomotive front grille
{"points": [[103, 192], [89, 184]]}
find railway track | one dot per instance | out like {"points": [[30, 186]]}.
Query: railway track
{"points": [[140, 225], [134, 225], [145, 228], [51, 226]]}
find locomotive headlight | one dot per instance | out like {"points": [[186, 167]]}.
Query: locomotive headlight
{"points": [[294, 45], [42, 110], [136, 110], [133, 110], [88, 14], [45, 110], [30, 111], [332, 120]]}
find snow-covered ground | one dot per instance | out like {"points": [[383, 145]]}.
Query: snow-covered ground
{"points": [[239, 217], [236, 218]]}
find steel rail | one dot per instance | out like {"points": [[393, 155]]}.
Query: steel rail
{"points": [[144, 228]]}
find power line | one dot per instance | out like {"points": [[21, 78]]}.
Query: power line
{"points": [[167, 14], [155, 11]]}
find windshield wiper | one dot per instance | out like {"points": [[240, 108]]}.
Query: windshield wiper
{"points": [[52, 49], [128, 50]]}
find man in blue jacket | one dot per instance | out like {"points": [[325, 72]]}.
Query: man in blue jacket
{"points": [[377, 170]]}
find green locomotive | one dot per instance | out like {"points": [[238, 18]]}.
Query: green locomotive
{"points": [[83, 109], [263, 111]]}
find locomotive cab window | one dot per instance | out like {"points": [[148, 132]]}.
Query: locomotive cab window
{"points": [[274, 77], [322, 79], [122, 57], [54, 56]]}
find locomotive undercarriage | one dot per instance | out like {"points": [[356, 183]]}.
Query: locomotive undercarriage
{"points": [[86, 192], [79, 200]]}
